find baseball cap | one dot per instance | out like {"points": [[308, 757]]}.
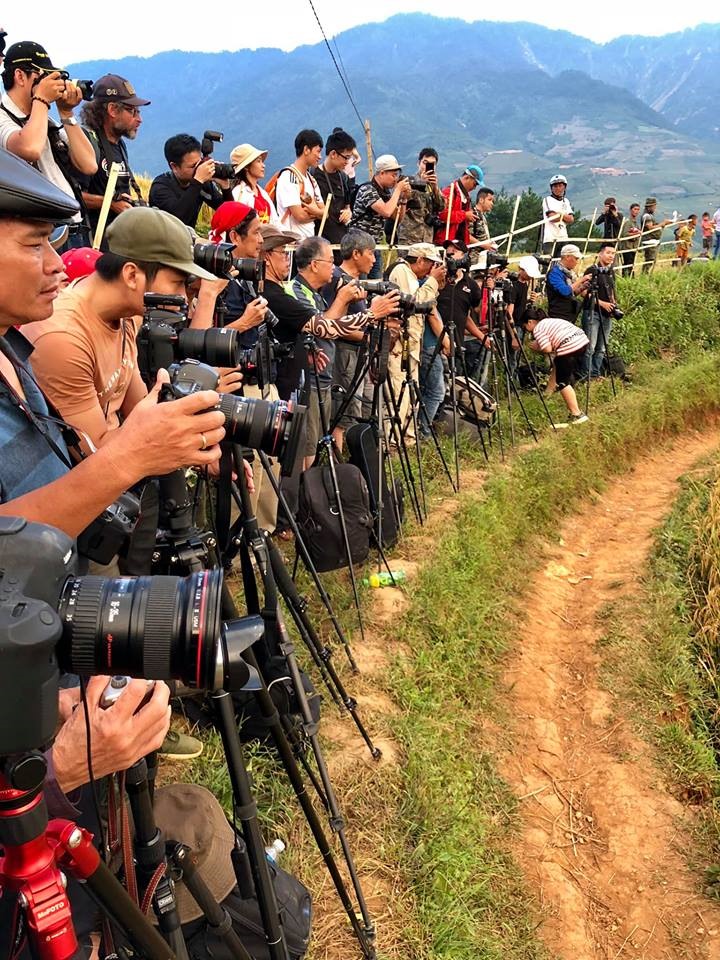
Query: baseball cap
{"points": [[26, 54], [28, 195], [273, 237], [80, 262], [145, 233], [190, 814], [426, 250], [474, 171], [571, 250], [530, 266], [457, 243], [649, 201], [114, 89], [385, 162], [244, 154]]}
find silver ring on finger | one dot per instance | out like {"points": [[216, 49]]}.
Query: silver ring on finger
{"points": [[204, 444]]}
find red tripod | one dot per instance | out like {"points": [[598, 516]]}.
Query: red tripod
{"points": [[35, 854]]}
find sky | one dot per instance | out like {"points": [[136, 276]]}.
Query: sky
{"points": [[178, 24]]}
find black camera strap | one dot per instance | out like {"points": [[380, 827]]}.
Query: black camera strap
{"points": [[107, 154]]}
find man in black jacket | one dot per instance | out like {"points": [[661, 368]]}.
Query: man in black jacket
{"points": [[190, 182], [598, 307], [610, 219]]}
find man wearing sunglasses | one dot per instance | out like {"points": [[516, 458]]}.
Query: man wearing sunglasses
{"points": [[58, 150], [112, 116]]}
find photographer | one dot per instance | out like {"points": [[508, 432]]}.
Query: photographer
{"points": [[357, 250], [598, 316], [610, 220], [557, 214], [420, 274], [424, 203], [332, 180], [479, 229], [459, 214], [383, 198], [190, 182], [562, 286], [60, 152], [112, 115]]}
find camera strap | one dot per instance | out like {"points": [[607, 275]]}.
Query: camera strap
{"points": [[41, 421]]}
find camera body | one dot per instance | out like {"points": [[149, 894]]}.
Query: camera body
{"points": [[418, 184], [407, 305], [454, 264], [107, 534], [223, 171]]}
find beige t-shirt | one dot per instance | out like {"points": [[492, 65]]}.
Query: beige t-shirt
{"points": [[81, 361]]}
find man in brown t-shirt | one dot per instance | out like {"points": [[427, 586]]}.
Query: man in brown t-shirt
{"points": [[85, 356]]}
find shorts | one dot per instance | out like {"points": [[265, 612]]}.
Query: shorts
{"points": [[566, 367], [346, 355]]}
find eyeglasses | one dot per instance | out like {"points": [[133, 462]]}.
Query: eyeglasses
{"points": [[318, 260], [283, 253], [133, 111], [346, 156]]}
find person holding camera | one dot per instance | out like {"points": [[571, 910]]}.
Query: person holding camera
{"points": [[562, 286], [459, 214], [599, 309], [60, 152], [557, 215], [385, 197], [109, 118], [424, 204], [610, 219], [420, 274], [190, 183]]}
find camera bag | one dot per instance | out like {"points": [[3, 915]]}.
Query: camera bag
{"points": [[362, 441], [319, 515]]}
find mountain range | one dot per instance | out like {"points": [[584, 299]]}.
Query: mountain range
{"points": [[631, 117]]}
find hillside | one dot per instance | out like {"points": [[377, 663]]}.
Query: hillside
{"points": [[520, 99]]}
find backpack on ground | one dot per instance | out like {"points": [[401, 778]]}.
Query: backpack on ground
{"points": [[362, 441], [319, 515]]}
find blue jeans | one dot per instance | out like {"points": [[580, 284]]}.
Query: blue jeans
{"points": [[595, 350], [432, 389]]}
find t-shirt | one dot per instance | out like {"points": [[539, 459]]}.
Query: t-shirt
{"points": [[288, 192], [97, 183], [455, 301], [81, 361], [315, 299], [707, 227], [555, 232], [335, 184], [260, 201], [363, 216], [27, 461], [46, 164], [561, 335], [292, 316]]}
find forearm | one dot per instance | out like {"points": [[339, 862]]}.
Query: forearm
{"points": [[29, 141], [81, 150], [204, 313], [343, 328]]}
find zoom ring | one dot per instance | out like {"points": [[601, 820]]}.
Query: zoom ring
{"points": [[86, 626], [158, 626]]}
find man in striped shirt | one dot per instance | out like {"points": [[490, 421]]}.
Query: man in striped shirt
{"points": [[567, 342]]}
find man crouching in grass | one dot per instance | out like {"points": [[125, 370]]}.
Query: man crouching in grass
{"points": [[568, 343]]}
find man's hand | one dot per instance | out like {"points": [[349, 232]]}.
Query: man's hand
{"points": [[118, 736], [470, 215], [204, 171], [439, 273], [386, 305], [51, 87], [405, 189], [445, 346], [122, 203], [606, 306], [69, 100], [252, 316], [157, 437], [580, 285], [349, 292], [534, 297], [345, 216], [230, 379], [318, 359]]}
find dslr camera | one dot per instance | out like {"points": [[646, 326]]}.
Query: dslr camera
{"points": [[407, 305], [223, 171], [218, 259], [275, 427]]}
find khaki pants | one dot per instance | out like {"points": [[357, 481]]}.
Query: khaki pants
{"points": [[263, 500], [396, 376]]}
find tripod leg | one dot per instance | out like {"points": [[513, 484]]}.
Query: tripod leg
{"points": [[403, 455]]}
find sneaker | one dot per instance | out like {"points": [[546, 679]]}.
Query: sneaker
{"points": [[180, 746], [578, 418]]}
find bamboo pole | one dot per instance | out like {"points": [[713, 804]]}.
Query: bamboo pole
{"points": [[512, 225], [451, 197], [326, 211], [592, 224], [368, 147], [105, 208]]}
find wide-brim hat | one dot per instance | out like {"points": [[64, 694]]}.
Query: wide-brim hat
{"points": [[244, 154], [273, 237], [190, 814]]}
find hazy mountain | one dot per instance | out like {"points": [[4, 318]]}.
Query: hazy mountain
{"points": [[633, 116]]}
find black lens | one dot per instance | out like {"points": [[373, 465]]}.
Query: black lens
{"points": [[161, 628], [273, 427], [224, 171], [249, 269], [215, 257], [218, 347]]}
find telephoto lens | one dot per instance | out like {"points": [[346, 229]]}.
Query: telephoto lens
{"points": [[161, 628], [218, 259]]}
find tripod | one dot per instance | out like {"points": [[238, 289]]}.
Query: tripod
{"points": [[35, 854]]}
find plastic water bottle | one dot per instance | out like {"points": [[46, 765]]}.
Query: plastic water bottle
{"points": [[385, 579], [275, 850]]}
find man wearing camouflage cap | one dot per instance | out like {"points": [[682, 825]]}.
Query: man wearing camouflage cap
{"points": [[422, 262], [651, 234]]}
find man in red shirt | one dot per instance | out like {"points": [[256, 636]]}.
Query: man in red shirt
{"points": [[459, 212]]}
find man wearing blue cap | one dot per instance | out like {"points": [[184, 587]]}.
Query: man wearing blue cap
{"points": [[459, 214]]}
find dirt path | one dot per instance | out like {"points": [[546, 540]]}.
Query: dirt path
{"points": [[602, 840]]}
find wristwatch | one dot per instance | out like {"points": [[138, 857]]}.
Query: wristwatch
{"points": [[69, 121]]}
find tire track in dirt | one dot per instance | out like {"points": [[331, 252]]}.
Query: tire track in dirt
{"points": [[602, 839]]}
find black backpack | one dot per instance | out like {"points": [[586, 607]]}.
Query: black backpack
{"points": [[319, 515], [362, 441]]}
